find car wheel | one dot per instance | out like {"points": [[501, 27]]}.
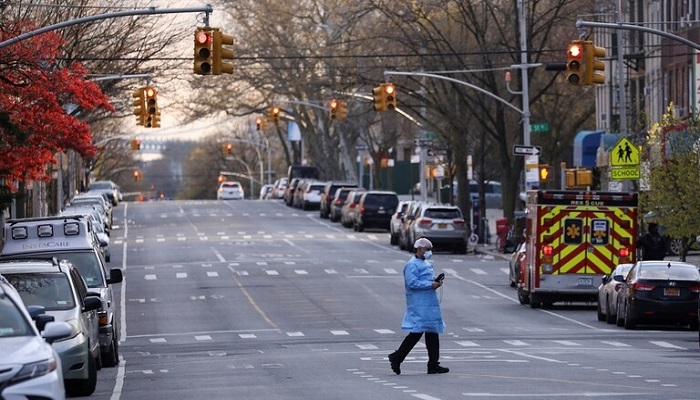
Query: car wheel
{"points": [[462, 248], [601, 316], [630, 323], [84, 387], [693, 325], [360, 228], [393, 239], [98, 361], [609, 318], [111, 357], [674, 247]]}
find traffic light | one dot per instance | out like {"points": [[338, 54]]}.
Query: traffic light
{"points": [[151, 108], [273, 114], [390, 95], [220, 53], [342, 111], [592, 64], [379, 98], [260, 124], [575, 63], [155, 120], [139, 105], [228, 149], [203, 51], [221, 178], [578, 178], [334, 109], [135, 144], [137, 175], [545, 171]]}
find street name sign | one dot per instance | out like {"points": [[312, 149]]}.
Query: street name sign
{"points": [[520, 150], [539, 127]]}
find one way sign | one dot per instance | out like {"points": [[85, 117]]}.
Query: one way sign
{"points": [[520, 150]]}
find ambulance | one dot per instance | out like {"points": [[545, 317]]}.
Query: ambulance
{"points": [[573, 238]]}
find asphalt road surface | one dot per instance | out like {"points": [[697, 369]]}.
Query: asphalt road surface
{"points": [[254, 300]]}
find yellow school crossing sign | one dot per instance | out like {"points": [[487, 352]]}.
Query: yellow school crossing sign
{"points": [[624, 161]]}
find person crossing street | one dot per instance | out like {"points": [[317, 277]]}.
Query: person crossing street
{"points": [[423, 315]]}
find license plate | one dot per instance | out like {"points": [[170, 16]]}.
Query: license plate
{"points": [[585, 281], [672, 292], [442, 226], [381, 212]]}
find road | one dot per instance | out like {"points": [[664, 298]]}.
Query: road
{"points": [[254, 300]]}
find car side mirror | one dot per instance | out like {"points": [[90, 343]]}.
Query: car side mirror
{"points": [[619, 278], [55, 331], [115, 276], [605, 279], [41, 320], [92, 303]]}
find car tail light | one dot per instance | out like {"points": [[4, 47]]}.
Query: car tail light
{"points": [[353, 205], [641, 286], [362, 210], [103, 318], [695, 288], [423, 222], [458, 222]]}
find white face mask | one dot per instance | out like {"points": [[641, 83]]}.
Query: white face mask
{"points": [[428, 254]]}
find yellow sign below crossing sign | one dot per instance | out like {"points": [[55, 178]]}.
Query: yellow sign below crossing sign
{"points": [[624, 154]]}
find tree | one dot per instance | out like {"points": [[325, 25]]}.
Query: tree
{"points": [[673, 198], [33, 92]]}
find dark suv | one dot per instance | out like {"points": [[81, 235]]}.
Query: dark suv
{"points": [[327, 196], [375, 210]]}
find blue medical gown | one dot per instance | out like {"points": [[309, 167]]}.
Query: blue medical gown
{"points": [[422, 306]]}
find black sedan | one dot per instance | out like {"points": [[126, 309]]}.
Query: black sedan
{"points": [[659, 292]]}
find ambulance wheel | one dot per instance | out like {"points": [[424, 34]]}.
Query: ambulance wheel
{"points": [[535, 301], [523, 297]]}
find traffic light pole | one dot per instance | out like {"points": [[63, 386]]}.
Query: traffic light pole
{"points": [[127, 13]]}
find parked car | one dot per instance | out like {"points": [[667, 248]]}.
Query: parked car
{"points": [[443, 225], [328, 194], [659, 292], [337, 204], [516, 260], [265, 192], [279, 189], [30, 367], [311, 195], [395, 223], [97, 200], [299, 192], [231, 190], [108, 187], [375, 209], [31, 238], [607, 293], [347, 213], [59, 288], [405, 240], [289, 191]]}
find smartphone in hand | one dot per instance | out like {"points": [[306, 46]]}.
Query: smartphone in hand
{"points": [[440, 277]]}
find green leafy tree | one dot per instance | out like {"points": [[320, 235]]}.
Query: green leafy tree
{"points": [[673, 198]]}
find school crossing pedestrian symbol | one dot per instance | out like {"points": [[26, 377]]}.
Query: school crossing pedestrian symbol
{"points": [[624, 161]]}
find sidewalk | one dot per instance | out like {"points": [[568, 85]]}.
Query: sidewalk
{"points": [[490, 250]]}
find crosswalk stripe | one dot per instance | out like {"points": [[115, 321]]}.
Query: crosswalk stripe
{"points": [[366, 346], [340, 333], [616, 344], [181, 275], [247, 335], [295, 334], [478, 271], [667, 345], [150, 277], [202, 337], [384, 331], [300, 272], [505, 270], [272, 272], [330, 271], [516, 342], [212, 274], [467, 343], [566, 343]]}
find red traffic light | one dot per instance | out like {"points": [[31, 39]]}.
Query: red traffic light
{"points": [[203, 38], [575, 50]]}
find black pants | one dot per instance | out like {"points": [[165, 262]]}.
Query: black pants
{"points": [[432, 343]]}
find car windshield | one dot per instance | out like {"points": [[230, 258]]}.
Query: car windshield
{"points": [[443, 213], [663, 271], [12, 322], [101, 186], [49, 290], [87, 262], [230, 185]]}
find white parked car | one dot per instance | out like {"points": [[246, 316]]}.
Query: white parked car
{"points": [[265, 192], [30, 368], [607, 293], [230, 191]]}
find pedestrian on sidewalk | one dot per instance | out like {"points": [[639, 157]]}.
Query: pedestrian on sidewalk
{"points": [[423, 314]]}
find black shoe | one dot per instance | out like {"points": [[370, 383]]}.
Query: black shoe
{"points": [[437, 369], [395, 365]]}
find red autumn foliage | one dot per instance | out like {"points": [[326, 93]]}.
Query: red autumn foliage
{"points": [[33, 89]]}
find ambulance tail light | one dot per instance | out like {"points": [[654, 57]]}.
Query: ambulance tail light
{"points": [[547, 252], [624, 255]]}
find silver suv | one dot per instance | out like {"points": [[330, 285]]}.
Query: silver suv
{"points": [[72, 238], [443, 225], [61, 291]]}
